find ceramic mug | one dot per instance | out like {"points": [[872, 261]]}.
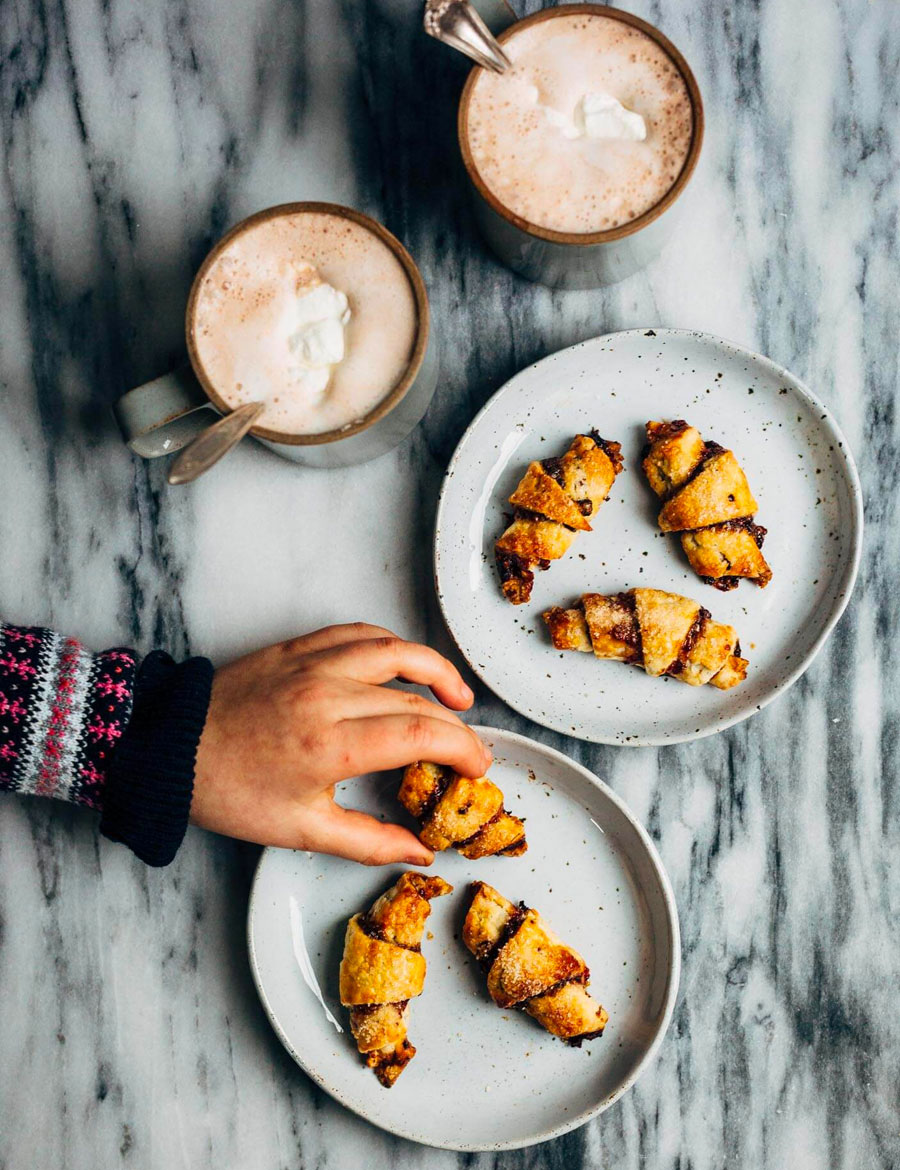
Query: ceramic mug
{"points": [[162, 416], [570, 259]]}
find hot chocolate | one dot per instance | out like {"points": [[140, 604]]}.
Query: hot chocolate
{"points": [[589, 129], [310, 313]]}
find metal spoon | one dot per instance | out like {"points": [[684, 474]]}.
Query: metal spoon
{"points": [[457, 24], [209, 447]]}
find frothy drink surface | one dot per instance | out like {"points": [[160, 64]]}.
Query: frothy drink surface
{"points": [[260, 339], [526, 128]]}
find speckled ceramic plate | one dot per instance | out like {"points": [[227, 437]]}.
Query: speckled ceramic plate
{"points": [[799, 469], [482, 1079]]}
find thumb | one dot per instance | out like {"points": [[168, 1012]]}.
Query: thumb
{"points": [[344, 832]]}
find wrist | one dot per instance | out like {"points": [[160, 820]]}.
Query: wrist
{"points": [[151, 777]]}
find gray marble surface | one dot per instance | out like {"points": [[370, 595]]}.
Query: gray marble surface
{"points": [[132, 135]]}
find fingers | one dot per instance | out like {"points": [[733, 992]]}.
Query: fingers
{"points": [[347, 833], [332, 636], [360, 700], [378, 660], [379, 742]]}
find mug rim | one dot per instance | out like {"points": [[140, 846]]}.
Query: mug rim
{"points": [[623, 230], [420, 295]]}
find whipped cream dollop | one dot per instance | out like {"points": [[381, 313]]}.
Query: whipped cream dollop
{"points": [[316, 322], [596, 115], [600, 115]]}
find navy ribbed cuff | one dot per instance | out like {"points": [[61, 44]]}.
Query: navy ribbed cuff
{"points": [[151, 776]]}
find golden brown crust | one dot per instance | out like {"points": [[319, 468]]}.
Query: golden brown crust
{"points": [[612, 629], [676, 449], [569, 1012], [466, 805], [539, 492], [383, 968], [375, 971], [529, 967], [719, 491], [486, 919], [727, 552], [553, 502], [379, 1025], [532, 961], [708, 500], [669, 634], [664, 620], [455, 811], [504, 834], [534, 540], [568, 629]]}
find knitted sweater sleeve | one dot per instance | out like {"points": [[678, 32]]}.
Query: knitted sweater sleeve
{"points": [[63, 711], [104, 731]]}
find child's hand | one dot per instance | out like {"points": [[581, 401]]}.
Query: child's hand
{"points": [[287, 723]]}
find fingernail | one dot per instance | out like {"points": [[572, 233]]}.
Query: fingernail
{"points": [[467, 693], [418, 859]]}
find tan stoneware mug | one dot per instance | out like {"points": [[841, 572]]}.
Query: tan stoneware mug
{"points": [[569, 259], [164, 415]]}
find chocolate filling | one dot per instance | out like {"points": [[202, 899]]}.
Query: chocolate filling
{"points": [[373, 930], [512, 567], [710, 451], [611, 449], [628, 630], [723, 584], [666, 430], [742, 524], [509, 930], [553, 468], [468, 840], [577, 1041], [442, 784], [527, 514], [366, 1009], [501, 812], [689, 642]]}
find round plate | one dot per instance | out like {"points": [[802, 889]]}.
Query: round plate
{"points": [[482, 1079], [799, 469]]}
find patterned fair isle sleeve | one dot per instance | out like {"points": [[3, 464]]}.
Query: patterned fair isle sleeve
{"points": [[62, 712]]}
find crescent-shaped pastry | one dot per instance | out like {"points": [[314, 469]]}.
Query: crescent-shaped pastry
{"points": [[528, 967], [383, 968], [551, 505], [708, 500], [456, 811], [662, 632]]}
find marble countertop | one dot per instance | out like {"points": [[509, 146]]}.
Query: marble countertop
{"points": [[132, 135]]}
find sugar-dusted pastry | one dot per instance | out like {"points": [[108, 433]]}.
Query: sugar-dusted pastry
{"points": [[456, 811], [662, 632], [552, 504], [528, 967], [708, 501], [383, 968]]}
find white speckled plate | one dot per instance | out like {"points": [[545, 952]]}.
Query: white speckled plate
{"points": [[799, 469], [482, 1079]]}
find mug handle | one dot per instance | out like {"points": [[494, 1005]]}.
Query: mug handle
{"points": [[496, 14], [163, 416]]}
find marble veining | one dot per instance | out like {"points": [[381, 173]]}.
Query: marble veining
{"points": [[132, 135]]}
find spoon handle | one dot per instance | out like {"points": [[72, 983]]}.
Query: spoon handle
{"points": [[216, 441], [457, 24]]}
